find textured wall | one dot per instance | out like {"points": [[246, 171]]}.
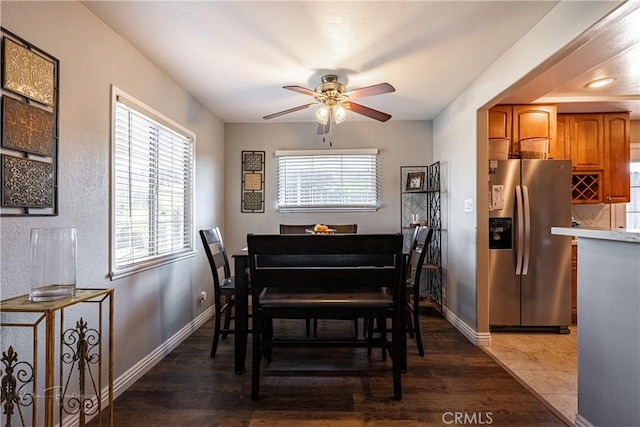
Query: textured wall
{"points": [[400, 143], [153, 305], [459, 137]]}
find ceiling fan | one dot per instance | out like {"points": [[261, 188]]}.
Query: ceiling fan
{"points": [[332, 98]]}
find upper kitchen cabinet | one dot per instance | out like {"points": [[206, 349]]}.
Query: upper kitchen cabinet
{"points": [[586, 136], [500, 122], [518, 122], [598, 146], [617, 152]]}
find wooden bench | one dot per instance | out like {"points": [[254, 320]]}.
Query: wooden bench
{"points": [[346, 276]]}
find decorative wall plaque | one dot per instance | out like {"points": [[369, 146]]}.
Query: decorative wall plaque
{"points": [[27, 128], [26, 183], [252, 202], [29, 85], [27, 73], [252, 181]]}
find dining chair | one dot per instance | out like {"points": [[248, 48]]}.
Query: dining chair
{"points": [[415, 265], [223, 287], [302, 229], [345, 277]]}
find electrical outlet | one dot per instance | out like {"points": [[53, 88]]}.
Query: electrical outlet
{"points": [[202, 298], [468, 205]]}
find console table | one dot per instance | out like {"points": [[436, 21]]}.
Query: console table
{"points": [[78, 391]]}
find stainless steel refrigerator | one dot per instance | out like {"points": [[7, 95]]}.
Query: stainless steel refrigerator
{"points": [[529, 268]]}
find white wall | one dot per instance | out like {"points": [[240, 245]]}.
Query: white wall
{"points": [[400, 143], [151, 306], [460, 139]]}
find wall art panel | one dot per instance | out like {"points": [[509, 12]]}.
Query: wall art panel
{"points": [[27, 128], [252, 181], [26, 183]]}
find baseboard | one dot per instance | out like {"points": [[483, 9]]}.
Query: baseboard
{"points": [[582, 421], [477, 338], [124, 381]]}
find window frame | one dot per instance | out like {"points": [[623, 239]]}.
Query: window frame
{"points": [[328, 208], [628, 210], [115, 271]]}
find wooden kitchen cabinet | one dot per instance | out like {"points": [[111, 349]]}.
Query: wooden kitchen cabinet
{"points": [[517, 122], [586, 133], [617, 152], [560, 148], [500, 122], [533, 121], [598, 146], [574, 283]]}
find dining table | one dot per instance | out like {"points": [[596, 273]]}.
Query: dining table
{"points": [[241, 305]]}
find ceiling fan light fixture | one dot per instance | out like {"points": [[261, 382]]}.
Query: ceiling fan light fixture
{"points": [[600, 83], [322, 115], [340, 114]]}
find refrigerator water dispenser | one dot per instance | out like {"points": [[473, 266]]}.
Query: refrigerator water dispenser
{"points": [[500, 233]]}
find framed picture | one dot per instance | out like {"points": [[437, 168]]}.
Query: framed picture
{"points": [[415, 181]]}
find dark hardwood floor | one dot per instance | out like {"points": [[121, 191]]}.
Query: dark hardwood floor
{"points": [[332, 387]]}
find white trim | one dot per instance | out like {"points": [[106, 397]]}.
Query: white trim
{"points": [[346, 151], [117, 274], [582, 421], [119, 95], [477, 338], [133, 374]]}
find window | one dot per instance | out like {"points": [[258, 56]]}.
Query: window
{"points": [[327, 180], [152, 188], [633, 207]]}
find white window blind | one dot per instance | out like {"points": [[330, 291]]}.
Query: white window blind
{"points": [[633, 207], [327, 180], [152, 208]]}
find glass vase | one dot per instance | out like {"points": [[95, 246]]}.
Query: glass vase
{"points": [[53, 263]]}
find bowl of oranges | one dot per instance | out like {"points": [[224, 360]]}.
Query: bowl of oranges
{"points": [[321, 229]]}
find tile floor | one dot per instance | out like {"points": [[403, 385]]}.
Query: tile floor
{"points": [[546, 364]]}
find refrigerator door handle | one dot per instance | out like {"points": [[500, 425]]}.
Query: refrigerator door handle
{"points": [[527, 230], [520, 223]]}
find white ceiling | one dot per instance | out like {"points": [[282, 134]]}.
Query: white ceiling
{"points": [[235, 56]]}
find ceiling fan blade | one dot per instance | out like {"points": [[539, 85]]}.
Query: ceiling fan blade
{"points": [[290, 110], [302, 90], [370, 90], [366, 111], [324, 129]]}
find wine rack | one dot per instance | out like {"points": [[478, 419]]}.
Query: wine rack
{"points": [[586, 187]]}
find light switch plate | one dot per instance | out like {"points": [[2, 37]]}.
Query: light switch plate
{"points": [[468, 205]]}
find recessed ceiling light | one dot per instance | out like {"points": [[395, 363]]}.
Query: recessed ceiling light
{"points": [[599, 83]]}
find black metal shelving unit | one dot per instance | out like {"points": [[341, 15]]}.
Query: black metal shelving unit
{"points": [[433, 260], [424, 201]]}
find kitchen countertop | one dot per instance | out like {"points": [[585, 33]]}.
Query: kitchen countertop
{"points": [[614, 234]]}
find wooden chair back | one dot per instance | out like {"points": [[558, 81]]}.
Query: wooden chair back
{"points": [[345, 276], [216, 254], [417, 254]]}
